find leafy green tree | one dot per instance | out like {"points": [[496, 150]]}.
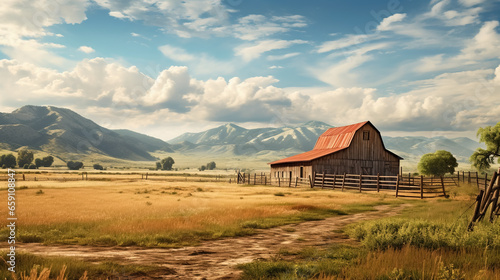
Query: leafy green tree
{"points": [[202, 168], [166, 163], [74, 165], [24, 157], [47, 161], [158, 165], [38, 162], [97, 166], [8, 161], [482, 159], [438, 163], [211, 165]]}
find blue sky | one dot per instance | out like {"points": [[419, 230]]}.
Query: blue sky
{"points": [[426, 68]]}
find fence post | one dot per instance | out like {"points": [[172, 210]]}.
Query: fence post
{"points": [[458, 179], [311, 182], [255, 178], [343, 182], [397, 186], [477, 179], [265, 180], [468, 179], [323, 180], [296, 179], [334, 180], [290, 182], [279, 181], [421, 186], [146, 175], [442, 184], [360, 181], [378, 182], [463, 176]]}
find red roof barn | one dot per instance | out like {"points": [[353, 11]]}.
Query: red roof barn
{"points": [[352, 149]]}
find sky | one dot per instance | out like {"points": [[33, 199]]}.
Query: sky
{"points": [[428, 68]]}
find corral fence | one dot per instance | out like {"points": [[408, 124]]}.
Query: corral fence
{"points": [[411, 186]]}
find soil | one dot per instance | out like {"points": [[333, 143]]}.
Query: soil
{"points": [[218, 259]]}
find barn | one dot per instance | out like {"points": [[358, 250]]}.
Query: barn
{"points": [[352, 149]]}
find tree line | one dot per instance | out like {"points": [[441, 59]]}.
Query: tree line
{"points": [[25, 160]]}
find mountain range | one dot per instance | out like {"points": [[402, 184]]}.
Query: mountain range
{"points": [[66, 134]]}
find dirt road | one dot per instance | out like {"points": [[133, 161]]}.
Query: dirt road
{"points": [[217, 259]]}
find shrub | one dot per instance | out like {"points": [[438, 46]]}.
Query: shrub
{"points": [[97, 166], [8, 161], [74, 165], [24, 157]]}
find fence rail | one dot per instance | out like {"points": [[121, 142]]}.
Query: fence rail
{"points": [[423, 187]]}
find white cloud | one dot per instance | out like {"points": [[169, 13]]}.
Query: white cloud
{"points": [[283, 56], [452, 101], [386, 22], [484, 46], [86, 49], [275, 67], [470, 3], [176, 53], [135, 34], [348, 41], [255, 51]]}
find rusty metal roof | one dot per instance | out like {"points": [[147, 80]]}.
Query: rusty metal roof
{"points": [[307, 156], [331, 141], [338, 137]]}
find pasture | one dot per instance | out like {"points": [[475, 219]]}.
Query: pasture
{"points": [[126, 213]]}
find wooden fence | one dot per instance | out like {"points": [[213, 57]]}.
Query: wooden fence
{"points": [[486, 198], [423, 187]]}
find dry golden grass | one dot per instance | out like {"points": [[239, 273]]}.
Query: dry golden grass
{"points": [[126, 205]]}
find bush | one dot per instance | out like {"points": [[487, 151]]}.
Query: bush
{"points": [[8, 161], [47, 161], [32, 166], [97, 166], [74, 165]]}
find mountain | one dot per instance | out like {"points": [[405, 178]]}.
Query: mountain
{"points": [[231, 138], [60, 131]]}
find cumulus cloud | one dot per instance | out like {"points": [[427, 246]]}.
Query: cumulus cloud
{"points": [[86, 49], [452, 101]]}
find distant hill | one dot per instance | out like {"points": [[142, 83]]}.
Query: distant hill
{"points": [[66, 134], [60, 131], [242, 141]]}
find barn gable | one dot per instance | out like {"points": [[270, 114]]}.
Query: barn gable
{"points": [[356, 148]]}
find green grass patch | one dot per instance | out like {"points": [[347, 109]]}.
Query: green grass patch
{"points": [[25, 262]]}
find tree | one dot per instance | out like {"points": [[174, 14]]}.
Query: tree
{"points": [[47, 161], [97, 166], [166, 163], [38, 162], [8, 161], [74, 165], [482, 159], [202, 168], [438, 163], [211, 165], [24, 157], [158, 165], [32, 166]]}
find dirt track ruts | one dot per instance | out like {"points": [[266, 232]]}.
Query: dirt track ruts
{"points": [[218, 259]]}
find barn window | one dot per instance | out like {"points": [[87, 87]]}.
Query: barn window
{"points": [[366, 135]]}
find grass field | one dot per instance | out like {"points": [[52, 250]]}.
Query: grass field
{"points": [[428, 241]]}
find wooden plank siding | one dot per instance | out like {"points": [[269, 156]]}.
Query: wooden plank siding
{"points": [[363, 156]]}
